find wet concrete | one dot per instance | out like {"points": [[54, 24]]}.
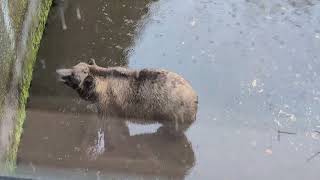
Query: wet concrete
{"points": [[254, 64]]}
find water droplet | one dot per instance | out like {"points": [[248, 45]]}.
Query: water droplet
{"points": [[193, 22], [254, 83]]}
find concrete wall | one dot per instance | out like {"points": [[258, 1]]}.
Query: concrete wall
{"points": [[21, 25]]}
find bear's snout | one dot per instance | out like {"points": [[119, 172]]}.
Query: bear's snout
{"points": [[66, 76], [63, 74]]}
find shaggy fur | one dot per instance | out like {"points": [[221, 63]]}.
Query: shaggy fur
{"points": [[148, 95]]}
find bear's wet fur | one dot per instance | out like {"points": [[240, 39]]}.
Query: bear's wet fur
{"points": [[143, 96]]}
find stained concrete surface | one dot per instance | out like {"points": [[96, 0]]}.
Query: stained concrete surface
{"points": [[21, 27]]}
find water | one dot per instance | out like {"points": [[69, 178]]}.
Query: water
{"points": [[254, 64]]}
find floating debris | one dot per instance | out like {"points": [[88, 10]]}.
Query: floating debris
{"points": [[78, 13], [254, 83], [268, 151], [284, 114], [108, 18], [128, 21], [98, 175], [130, 34], [253, 143], [313, 156], [32, 167], [62, 17], [268, 17], [45, 138], [77, 149], [118, 47], [315, 135], [43, 64], [284, 132], [193, 22], [277, 122]]}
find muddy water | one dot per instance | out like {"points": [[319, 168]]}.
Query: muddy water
{"points": [[254, 64]]}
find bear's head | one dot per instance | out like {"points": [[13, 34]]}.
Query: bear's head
{"points": [[80, 79]]}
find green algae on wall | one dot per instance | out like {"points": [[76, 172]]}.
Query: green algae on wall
{"points": [[38, 25], [17, 12], [5, 66]]}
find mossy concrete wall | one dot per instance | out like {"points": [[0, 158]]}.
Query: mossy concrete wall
{"points": [[21, 26]]}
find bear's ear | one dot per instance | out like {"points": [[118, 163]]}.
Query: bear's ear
{"points": [[92, 62]]}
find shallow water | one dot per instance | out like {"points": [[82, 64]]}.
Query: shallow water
{"points": [[254, 64]]}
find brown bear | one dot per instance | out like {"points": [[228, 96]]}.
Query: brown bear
{"points": [[143, 96]]}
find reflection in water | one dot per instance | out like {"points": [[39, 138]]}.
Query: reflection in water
{"points": [[89, 142]]}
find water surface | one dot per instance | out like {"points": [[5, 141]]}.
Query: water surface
{"points": [[254, 64]]}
